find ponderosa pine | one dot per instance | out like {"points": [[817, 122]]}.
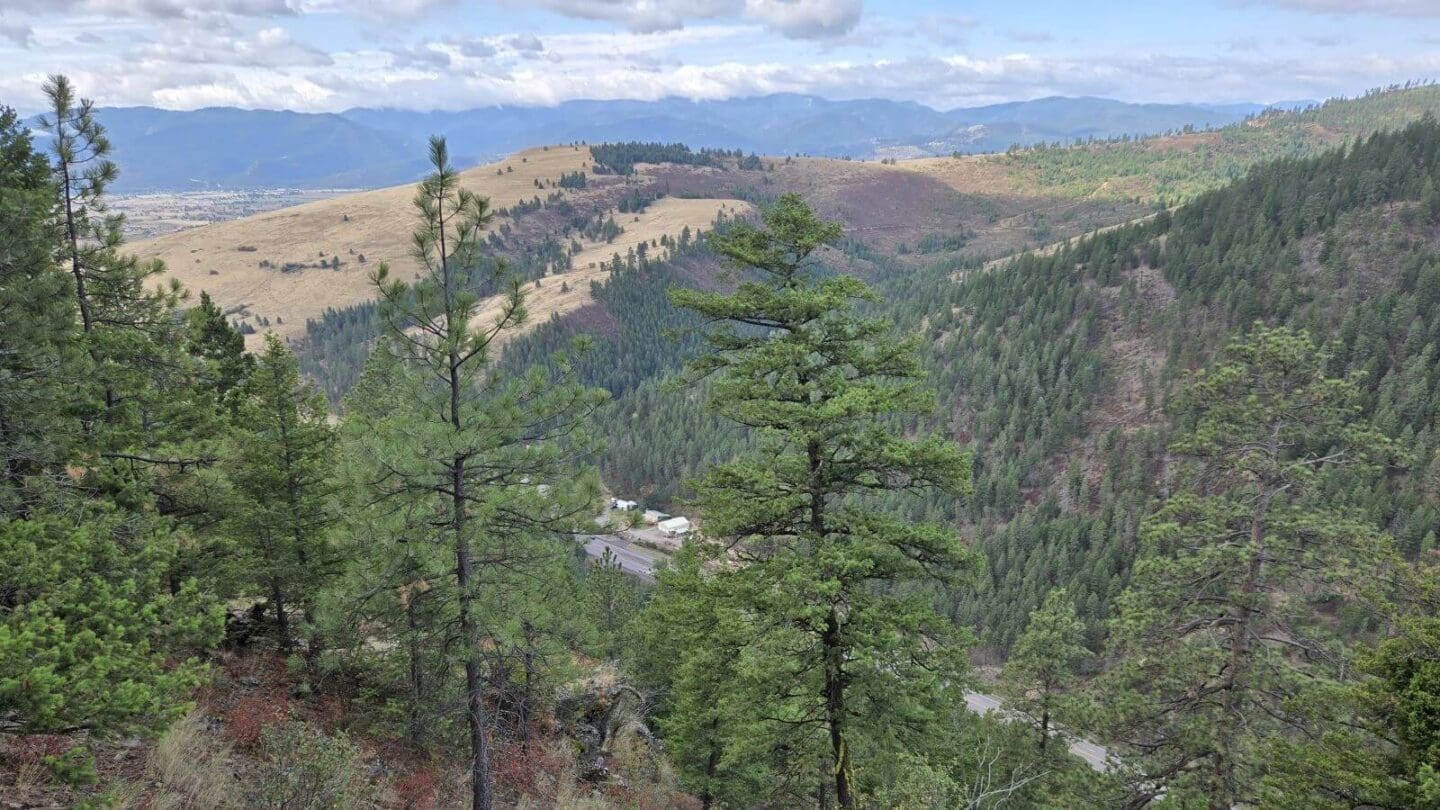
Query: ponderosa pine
{"points": [[478, 452], [842, 656], [1216, 638]]}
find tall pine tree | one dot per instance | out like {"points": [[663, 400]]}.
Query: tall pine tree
{"points": [[1217, 635], [39, 340], [1044, 663], [844, 658], [281, 466], [478, 452]]}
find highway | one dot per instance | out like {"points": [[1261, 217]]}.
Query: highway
{"points": [[641, 562], [635, 560], [1094, 755]]}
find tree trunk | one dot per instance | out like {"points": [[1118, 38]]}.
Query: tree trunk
{"points": [[416, 674], [1044, 729], [282, 619], [832, 649], [527, 692], [72, 235], [712, 764], [480, 792], [835, 712], [474, 688], [1222, 792]]}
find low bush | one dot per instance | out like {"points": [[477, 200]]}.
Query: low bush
{"points": [[306, 769]]}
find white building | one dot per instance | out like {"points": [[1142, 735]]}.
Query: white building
{"points": [[674, 527], [653, 516], [622, 505]]}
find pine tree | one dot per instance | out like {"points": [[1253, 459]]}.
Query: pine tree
{"points": [[843, 652], [477, 451], [1216, 633], [39, 343], [687, 647], [1043, 664], [94, 635], [611, 600], [1381, 743], [102, 612], [83, 170], [128, 322], [388, 591], [280, 467], [211, 338]]}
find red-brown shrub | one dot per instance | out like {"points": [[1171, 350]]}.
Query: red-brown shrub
{"points": [[32, 749], [251, 714], [418, 789], [518, 771]]}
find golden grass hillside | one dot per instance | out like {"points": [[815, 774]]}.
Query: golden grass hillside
{"points": [[280, 265], [557, 295], [224, 259]]}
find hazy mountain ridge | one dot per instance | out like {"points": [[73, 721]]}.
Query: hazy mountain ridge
{"points": [[368, 147]]}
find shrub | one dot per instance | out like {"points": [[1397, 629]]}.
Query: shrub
{"points": [[417, 791], [252, 714], [536, 772], [306, 769], [75, 767]]}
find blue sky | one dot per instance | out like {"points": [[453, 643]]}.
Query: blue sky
{"points": [[326, 55]]}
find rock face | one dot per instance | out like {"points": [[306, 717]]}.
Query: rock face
{"points": [[602, 715]]}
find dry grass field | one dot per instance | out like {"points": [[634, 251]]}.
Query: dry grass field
{"points": [[968, 174], [270, 265], [277, 269], [569, 291]]}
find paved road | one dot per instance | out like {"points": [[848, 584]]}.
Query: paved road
{"points": [[1094, 755], [635, 560], [640, 562]]}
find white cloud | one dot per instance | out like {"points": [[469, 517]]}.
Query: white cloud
{"points": [[806, 19], [526, 43], [158, 9], [262, 53], [266, 69], [384, 10], [425, 56], [798, 19], [269, 47], [643, 16], [18, 34]]}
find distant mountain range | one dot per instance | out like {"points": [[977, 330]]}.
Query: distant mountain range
{"points": [[224, 147]]}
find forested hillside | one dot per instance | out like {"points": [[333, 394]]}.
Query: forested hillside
{"points": [[1169, 486], [1062, 372]]}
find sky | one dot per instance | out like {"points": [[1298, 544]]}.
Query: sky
{"points": [[331, 55]]}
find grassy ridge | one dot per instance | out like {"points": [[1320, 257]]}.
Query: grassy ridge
{"points": [[1181, 166]]}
